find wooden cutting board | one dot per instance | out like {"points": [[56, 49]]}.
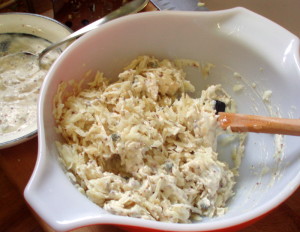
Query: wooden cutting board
{"points": [[17, 164]]}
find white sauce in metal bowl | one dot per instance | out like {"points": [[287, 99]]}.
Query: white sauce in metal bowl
{"points": [[20, 81]]}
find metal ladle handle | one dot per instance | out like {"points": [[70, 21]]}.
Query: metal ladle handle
{"points": [[129, 8]]}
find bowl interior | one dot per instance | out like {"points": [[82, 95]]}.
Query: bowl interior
{"points": [[241, 45], [33, 24]]}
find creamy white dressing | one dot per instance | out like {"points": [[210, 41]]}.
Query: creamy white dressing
{"points": [[20, 81]]}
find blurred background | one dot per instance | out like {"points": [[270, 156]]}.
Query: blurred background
{"points": [[73, 13], [77, 13]]}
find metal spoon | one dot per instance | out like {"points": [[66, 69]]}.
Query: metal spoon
{"points": [[129, 8]]}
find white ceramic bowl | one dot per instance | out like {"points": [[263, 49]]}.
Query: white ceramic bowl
{"points": [[246, 49], [42, 27]]}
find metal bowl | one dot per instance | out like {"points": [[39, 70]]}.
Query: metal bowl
{"points": [[40, 26]]}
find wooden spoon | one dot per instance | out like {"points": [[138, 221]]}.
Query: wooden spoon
{"points": [[259, 124]]}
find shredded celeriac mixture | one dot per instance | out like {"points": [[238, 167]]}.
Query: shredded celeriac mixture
{"points": [[141, 146]]}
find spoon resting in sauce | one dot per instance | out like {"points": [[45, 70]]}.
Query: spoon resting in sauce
{"points": [[129, 8]]}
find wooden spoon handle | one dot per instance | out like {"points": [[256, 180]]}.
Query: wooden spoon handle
{"points": [[259, 124]]}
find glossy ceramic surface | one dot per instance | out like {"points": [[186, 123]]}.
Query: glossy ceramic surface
{"points": [[246, 49]]}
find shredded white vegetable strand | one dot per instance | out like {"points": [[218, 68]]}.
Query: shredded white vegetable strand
{"points": [[141, 147]]}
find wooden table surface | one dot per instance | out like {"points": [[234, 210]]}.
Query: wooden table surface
{"points": [[16, 166]]}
